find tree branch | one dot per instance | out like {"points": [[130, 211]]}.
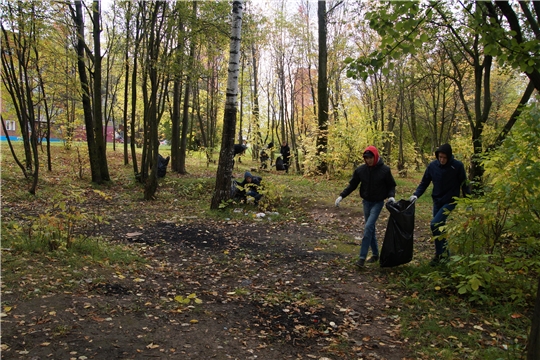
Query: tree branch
{"points": [[519, 109]]}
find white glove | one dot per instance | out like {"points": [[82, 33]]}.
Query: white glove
{"points": [[338, 200], [413, 198], [391, 200]]}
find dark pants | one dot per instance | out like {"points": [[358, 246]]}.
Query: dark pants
{"points": [[440, 214]]}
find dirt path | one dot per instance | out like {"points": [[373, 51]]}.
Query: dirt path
{"points": [[259, 290]]}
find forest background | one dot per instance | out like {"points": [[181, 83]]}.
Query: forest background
{"points": [[329, 78]]}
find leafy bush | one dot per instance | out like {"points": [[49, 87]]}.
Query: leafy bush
{"points": [[272, 195], [495, 236], [56, 227]]}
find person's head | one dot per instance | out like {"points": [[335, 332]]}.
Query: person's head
{"points": [[248, 177], [444, 153], [284, 143], [371, 156]]}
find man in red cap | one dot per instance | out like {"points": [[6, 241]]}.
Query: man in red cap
{"points": [[376, 184]]}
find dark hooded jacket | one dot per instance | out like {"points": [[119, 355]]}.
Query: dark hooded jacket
{"points": [[239, 149], [447, 179], [285, 151], [249, 186], [376, 182]]}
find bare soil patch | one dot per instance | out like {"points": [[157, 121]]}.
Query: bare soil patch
{"points": [[260, 290]]}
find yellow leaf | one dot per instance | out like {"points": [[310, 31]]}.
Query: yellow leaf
{"points": [[226, 252], [179, 298], [152, 346], [192, 296], [194, 321], [7, 308], [138, 280], [198, 301], [437, 288]]}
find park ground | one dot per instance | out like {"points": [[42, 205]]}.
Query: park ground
{"points": [[232, 284]]}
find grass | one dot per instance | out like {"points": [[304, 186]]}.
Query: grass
{"points": [[436, 322]]}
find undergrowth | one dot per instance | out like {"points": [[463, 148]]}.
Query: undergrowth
{"points": [[477, 306]]}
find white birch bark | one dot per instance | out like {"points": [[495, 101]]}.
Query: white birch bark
{"points": [[225, 165]]}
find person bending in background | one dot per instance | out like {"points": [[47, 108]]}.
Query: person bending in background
{"points": [[239, 149], [448, 176], [376, 184], [250, 187]]}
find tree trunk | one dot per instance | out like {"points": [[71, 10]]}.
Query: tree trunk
{"points": [[95, 168], [15, 68], [151, 122], [136, 48], [126, 84], [197, 105], [175, 124], [225, 165], [101, 146], [185, 115], [322, 91]]}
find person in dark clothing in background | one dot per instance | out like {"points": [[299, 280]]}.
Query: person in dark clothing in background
{"points": [[264, 159], [285, 154], [162, 165], [448, 177], [270, 148], [250, 187], [376, 184], [239, 149]]}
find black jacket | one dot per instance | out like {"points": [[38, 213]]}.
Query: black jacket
{"points": [[250, 186], [286, 153], [447, 179], [376, 182], [239, 149]]}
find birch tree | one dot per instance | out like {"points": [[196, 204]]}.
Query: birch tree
{"points": [[225, 164]]}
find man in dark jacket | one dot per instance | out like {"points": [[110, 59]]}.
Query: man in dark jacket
{"points": [[285, 151], [448, 177], [376, 184]]}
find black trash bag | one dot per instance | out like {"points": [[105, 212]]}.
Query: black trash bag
{"points": [[279, 164], [162, 165], [397, 248]]}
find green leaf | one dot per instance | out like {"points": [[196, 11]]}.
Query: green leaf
{"points": [[475, 283]]}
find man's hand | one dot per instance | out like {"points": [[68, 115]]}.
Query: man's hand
{"points": [[413, 198], [338, 200]]}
